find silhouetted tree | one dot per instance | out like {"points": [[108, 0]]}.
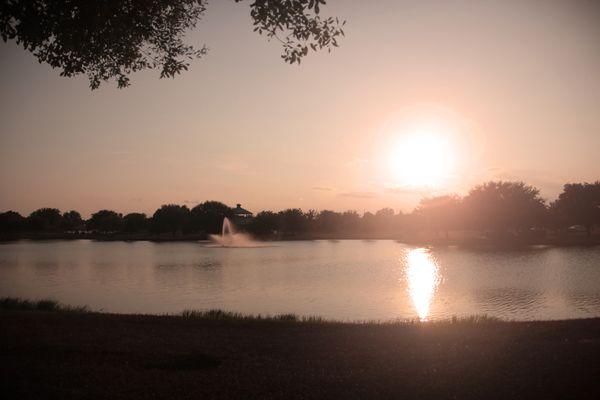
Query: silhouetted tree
{"points": [[310, 219], [135, 222], [171, 218], [579, 204], [264, 223], [45, 220], [556, 218], [440, 213], [71, 221], [384, 219], [12, 222], [328, 221], [105, 221], [108, 39], [498, 207], [349, 221], [409, 222], [369, 222], [385, 213], [292, 221], [208, 216], [503, 206]]}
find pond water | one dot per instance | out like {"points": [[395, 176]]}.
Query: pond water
{"points": [[344, 280]]}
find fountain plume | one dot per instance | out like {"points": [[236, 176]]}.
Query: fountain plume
{"points": [[230, 238]]}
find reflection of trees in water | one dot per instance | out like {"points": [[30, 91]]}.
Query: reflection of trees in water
{"points": [[508, 300]]}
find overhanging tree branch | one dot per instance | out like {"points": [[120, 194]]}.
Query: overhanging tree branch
{"points": [[111, 39]]}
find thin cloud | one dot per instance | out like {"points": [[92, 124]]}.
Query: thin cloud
{"points": [[409, 190], [400, 190], [359, 195]]}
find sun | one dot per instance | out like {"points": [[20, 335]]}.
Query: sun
{"points": [[426, 148], [421, 157]]}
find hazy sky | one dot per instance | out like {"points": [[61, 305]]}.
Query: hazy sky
{"points": [[513, 86]]}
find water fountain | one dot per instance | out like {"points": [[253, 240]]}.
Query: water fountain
{"points": [[230, 238]]}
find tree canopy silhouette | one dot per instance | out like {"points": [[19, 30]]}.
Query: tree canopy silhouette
{"points": [[264, 223], [496, 209], [135, 222], [71, 221], [440, 213], [503, 206], [328, 221], [110, 39], [292, 220], [171, 218], [105, 221], [45, 219], [579, 203], [11, 222], [208, 216]]}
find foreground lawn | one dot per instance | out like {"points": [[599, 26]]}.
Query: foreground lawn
{"points": [[78, 354]]}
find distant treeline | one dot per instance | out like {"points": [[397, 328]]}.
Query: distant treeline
{"points": [[493, 207]]}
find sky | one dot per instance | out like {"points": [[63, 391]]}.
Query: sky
{"points": [[422, 98]]}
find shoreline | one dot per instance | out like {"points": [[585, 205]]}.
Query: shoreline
{"points": [[558, 241], [75, 354], [17, 304]]}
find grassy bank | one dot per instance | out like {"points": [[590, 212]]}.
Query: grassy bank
{"points": [[17, 304], [50, 305], [74, 353]]}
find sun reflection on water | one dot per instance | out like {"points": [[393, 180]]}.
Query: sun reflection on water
{"points": [[423, 278]]}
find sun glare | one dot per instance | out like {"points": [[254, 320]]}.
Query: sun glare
{"points": [[422, 157], [422, 273]]}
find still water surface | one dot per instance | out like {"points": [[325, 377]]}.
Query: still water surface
{"points": [[344, 280]]}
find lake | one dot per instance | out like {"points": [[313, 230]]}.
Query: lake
{"points": [[344, 280]]}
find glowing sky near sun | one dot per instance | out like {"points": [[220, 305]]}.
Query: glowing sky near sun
{"points": [[421, 98]]}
